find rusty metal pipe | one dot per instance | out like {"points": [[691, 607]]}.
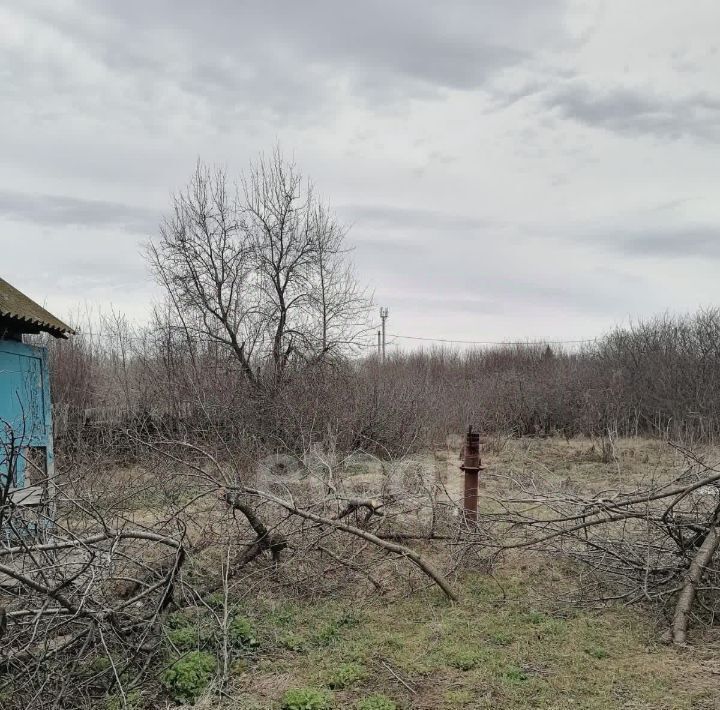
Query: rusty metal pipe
{"points": [[471, 467], [470, 498]]}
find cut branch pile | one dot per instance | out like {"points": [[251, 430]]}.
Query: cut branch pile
{"points": [[652, 545]]}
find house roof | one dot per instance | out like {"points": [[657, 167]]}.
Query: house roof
{"points": [[28, 316]]}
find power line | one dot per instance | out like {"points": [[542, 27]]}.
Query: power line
{"points": [[195, 339], [541, 341], [492, 342]]}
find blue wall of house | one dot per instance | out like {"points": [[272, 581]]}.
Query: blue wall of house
{"points": [[25, 408]]}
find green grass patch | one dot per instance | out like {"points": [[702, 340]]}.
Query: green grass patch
{"points": [[307, 699], [190, 675], [501, 646], [345, 675]]}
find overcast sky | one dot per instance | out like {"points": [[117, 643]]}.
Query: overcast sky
{"points": [[510, 169]]}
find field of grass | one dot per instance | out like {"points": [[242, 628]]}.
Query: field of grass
{"points": [[575, 464], [502, 646]]}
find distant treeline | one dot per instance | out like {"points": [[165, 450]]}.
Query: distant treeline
{"points": [[660, 377]]}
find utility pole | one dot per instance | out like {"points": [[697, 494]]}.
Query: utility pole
{"points": [[379, 345], [383, 317]]}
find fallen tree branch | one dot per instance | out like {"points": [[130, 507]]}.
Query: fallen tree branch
{"points": [[266, 540], [695, 573], [354, 567], [415, 557], [372, 507]]}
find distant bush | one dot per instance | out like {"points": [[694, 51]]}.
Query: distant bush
{"points": [[660, 377]]}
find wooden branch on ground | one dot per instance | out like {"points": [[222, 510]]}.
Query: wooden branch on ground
{"points": [[356, 568], [695, 573], [372, 507], [265, 541], [415, 557]]}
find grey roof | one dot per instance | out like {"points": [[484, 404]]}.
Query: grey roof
{"points": [[29, 316]]}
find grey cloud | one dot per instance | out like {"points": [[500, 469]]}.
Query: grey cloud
{"points": [[57, 211], [592, 293], [97, 265], [430, 303], [386, 216], [487, 273], [638, 111], [469, 263], [701, 242], [289, 56]]}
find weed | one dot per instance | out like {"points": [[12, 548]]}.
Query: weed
{"points": [[185, 638], [349, 619], [180, 619], [500, 638], [307, 699], [189, 630], [293, 642], [189, 675], [394, 641], [331, 631], [346, 675], [216, 601], [285, 615], [536, 618], [241, 633], [133, 701], [464, 659], [98, 665], [514, 675], [377, 702]]}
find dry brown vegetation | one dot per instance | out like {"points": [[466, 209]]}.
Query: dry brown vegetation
{"points": [[660, 378], [300, 556]]}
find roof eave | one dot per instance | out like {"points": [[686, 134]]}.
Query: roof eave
{"points": [[42, 326]]}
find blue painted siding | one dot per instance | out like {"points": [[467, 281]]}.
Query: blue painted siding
{"points": [[25, 412]]}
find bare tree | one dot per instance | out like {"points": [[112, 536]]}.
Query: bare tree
{"points": [[261, 268], [337, 303], [204, 263]]}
